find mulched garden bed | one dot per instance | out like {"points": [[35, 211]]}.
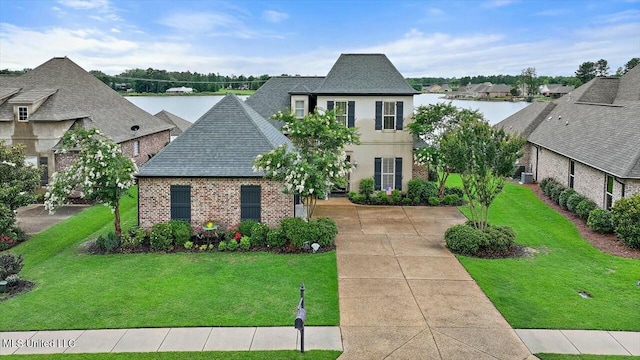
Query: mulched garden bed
{"points": [[21, 287], [608, 243]]}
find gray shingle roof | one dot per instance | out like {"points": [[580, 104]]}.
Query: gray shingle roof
{"points": [[526, 120], [6, 92], [274, 95], [172, 119], [499, 88], [223, 143], [81, 95], [605, 136], [31, 96], [364, 74]]}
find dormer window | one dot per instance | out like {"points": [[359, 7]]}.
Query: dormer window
{"points": [[299, 109], [23, 113]]}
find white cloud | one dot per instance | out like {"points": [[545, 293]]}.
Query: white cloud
{"points": [[199, 21], [274, 16], [435, 11], [497, 3], [85, 4]]}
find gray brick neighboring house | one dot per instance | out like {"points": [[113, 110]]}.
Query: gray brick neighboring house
{"points": [[40, 106], [588, 140], [207, 172]]}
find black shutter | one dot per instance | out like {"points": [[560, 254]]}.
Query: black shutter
{"points": [[398, 176], [378, 115], [329, 105], [250, 208], [351, 114], [44, 168], [181, 202], [399, 113], [377, 173]]}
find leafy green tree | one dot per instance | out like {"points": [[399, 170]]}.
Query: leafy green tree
{"points": [[602, 68], [18, 182], [318, 162], [628, 66], [528, 76], [483, 156], [429, 124], [101, 172], [586, 71]]}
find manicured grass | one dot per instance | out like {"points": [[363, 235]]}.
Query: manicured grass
{"points": [[542, 291], [585, 357], [226, 355], [75, 290]]}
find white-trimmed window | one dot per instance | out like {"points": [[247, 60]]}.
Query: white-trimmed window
{"points": [[388, 176], [389, 115], [299, 109], [572, 173], [608, 198], [340, 110], [23, 113], [136, 148]]}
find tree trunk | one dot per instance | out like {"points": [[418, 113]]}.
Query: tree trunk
{"points": [[116, 220], [310, 203]]}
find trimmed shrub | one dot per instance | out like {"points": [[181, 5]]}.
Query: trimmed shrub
{"points": [[161, 237], [351, 195], [246, 226], [584, 208], [463, 239], [600, 221], [380, 198], [498, 238], [293, 228], [361, 199], [574, 200], [222, 246], [276, 238], [133, 238], [108, 243], [543, 183], [181, 231], [327, 231], [432, 175], [366, 187], [434, 201], [555, 191], [416, 200], [232, 245], [451, 199], [10, 264], [625, 217], [245, 243], [430, 189], [451, 190], [415, 188], [406, 201], [548, 186], [188, 245], [259, 234], [396, 196], [564, 196]]}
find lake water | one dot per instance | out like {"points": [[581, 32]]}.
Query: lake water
{"points": [[192, 107]]}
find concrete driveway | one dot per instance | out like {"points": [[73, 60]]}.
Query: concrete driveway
{"points": [[34, 218], [403, 295]]}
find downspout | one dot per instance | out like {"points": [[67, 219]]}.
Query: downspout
{"points": [[537, 162]]}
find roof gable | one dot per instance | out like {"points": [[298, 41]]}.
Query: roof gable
{"points": [[223, 143], [364, 74], [180, 124]]}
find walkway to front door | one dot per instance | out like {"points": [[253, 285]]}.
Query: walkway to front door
{"points": [[403, 295]]}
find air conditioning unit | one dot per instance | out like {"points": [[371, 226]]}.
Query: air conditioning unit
{"points": [[526, 178]]}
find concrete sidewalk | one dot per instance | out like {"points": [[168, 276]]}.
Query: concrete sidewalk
{"points": [[33, 218], [169, 339], [581, 342]]}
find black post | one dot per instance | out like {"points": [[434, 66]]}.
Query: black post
{"points": [[301, 317]]}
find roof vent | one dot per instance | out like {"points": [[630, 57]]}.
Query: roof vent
{"points": [[135, 128]]}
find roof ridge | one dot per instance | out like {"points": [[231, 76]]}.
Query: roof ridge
{"points": [[245, 107]]}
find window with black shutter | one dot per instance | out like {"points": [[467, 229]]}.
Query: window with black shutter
{"points": [[377, 173], [398, 177], [250, 207], [181, 202]]}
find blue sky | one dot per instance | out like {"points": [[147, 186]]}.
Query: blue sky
{"points": [[422, 38]]}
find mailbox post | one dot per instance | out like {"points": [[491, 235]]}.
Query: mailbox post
{"points": [[301, 317]]}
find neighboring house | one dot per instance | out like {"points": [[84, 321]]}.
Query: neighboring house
{"points": [[207, 172], [180, 90], [446, 88], [40, 106], [554, 90], [588, 140], [365, 91], [481, 91], [181, 125], [434, 88]]}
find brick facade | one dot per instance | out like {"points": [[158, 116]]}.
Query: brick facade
{"points": [[587, 180], [148, 145], [420, 172], [211, 198]]}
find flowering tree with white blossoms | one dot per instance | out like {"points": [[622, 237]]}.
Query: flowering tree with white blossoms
{"points": [[100, 171], [317, 164]]}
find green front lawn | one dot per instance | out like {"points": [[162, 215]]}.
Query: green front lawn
{"points": [[542, 291], [222, 355], [79, 291]]}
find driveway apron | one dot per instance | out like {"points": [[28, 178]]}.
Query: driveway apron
{"points": [[403, 295]]}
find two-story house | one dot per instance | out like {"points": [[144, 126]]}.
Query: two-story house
{"points": [[366, 91], [40, 106]]}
